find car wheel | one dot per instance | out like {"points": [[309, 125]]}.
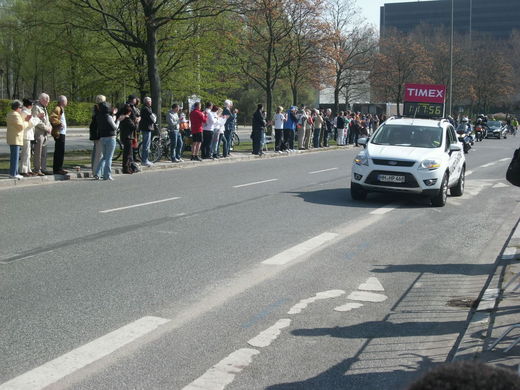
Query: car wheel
{"points": [[357, 192], [440, 199], [458, 190]]}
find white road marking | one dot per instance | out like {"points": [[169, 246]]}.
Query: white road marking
{"points": [[489, 164], [505, 159], [256, 182], [323, 170], [500, 185], [296, 309], [372, 284], [138, 205], [348, 307], [469, 173], [266, 337], [78, 358], [366, 296], [298, 250], [385, 209], [224, 372]]}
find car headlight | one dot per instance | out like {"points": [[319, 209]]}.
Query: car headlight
{"points": [[430, 164], [361, 158]]}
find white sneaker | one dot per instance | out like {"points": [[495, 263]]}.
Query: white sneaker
{"points": [[17, 177], [148, 164]]}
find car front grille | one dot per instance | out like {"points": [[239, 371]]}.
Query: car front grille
{"points": [[409, 179], [393, 163]]}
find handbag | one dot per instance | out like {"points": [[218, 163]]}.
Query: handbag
{"points": [[513, 171]]}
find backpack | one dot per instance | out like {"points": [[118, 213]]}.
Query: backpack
{"points": [[513, 171]]}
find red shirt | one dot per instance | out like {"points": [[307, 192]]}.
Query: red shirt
{"points": [[197, 119]]}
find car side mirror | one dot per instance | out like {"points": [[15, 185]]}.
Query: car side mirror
{"points": [[455, 148], [362, 141]]}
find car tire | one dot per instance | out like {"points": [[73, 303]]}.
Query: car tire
{"points": [[357, 192], [440, 199], [458, 190]]}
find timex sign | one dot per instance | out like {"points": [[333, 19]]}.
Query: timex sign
{"points": [[425, 93]]}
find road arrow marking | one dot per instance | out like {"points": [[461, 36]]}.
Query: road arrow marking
{"points": [[372, 284]]}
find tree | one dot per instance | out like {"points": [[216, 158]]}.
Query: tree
{"points": [[350, 50], [150, 31], [305, 46], [265, 51], [400, 60]]}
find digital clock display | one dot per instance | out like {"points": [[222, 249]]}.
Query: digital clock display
{"points": [[423, 110]]}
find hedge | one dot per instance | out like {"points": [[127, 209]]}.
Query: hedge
{"points": [[78, 114]]}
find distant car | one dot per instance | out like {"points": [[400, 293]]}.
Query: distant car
{"points": [[415, 156], [496, 130]]}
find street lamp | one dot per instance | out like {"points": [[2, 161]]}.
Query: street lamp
{"points": [[1, 83], [450, 105]]}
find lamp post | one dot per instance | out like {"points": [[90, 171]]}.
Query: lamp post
{"points": [[1, 83], [450, 105]]}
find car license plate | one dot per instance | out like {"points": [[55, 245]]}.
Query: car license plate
{"points": [[391, 178]]}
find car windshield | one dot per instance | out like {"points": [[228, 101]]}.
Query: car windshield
{"points": [[408, 135], [494, 124]]}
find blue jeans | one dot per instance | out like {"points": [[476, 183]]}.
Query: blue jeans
{"points": [[15, 156], [228, 134], [108, 144], [175, 144], [145, 146]]}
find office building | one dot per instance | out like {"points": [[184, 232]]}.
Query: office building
{"points": [[497, 18]]}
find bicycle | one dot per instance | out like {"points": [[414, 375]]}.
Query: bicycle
{"points": [[159, 147], [119, 148], [235, 139]]}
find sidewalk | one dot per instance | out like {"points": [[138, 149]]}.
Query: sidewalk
{"points": [[498, 309], [86, 174]]}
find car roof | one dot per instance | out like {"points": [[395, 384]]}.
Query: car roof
{"points": [[417, 122]]}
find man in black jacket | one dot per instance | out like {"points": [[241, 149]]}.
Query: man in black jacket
{"points": [[257, 134], [146, 125]]}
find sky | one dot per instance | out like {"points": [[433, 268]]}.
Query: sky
{"points": [[370, 9]]}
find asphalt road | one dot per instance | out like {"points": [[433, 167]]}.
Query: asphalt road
{"points": [[252, 275]]}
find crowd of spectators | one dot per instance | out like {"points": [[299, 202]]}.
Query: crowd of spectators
{"points": [[210, 131]]}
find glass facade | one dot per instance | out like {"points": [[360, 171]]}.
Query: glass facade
{"points": [[497, 18]]}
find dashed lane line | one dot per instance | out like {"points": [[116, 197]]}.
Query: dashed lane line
{"points": [[138, 205], [254, 183], [66, 364], [385, 209], [323, 170], [224, 372], [301, 249], [265, 338]]}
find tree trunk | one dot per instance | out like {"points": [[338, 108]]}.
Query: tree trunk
{"points": [[152, 62], [336, 99], [294, 90]]}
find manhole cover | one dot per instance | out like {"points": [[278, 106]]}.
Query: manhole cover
{"points": [[462, 302]]}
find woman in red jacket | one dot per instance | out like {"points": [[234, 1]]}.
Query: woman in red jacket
{"points": [[197, 119]]}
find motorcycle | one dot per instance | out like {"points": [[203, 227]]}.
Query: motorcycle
{"points": [[466, 139], [480, 133]]}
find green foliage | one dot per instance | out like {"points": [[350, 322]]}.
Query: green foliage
{"points": [[4, 110], [79, 113]]}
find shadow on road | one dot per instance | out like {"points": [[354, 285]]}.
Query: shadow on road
{"points": [[341, 197], [342, 377], [378, 329], [439, 269]]}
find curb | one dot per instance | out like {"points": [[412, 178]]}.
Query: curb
{"points": [[160, 166], [473, 341]]}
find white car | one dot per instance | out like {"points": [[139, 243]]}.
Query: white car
{"points": [[416, 156]]}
